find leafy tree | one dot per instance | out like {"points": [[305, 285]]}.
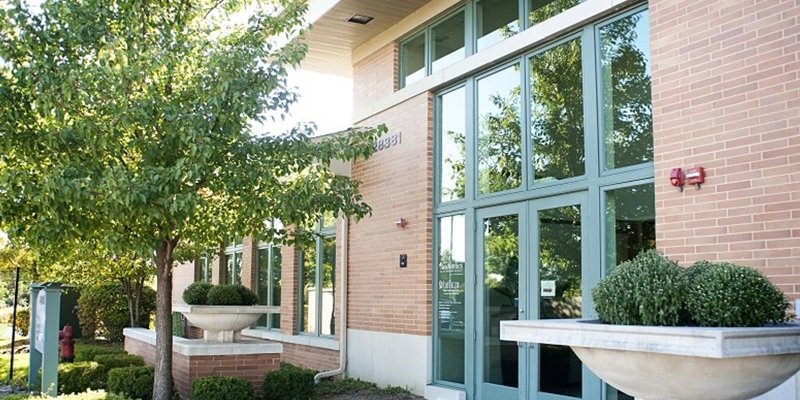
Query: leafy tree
{"points": [[129, 123]]}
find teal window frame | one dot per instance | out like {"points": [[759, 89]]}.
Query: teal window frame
{"points": [[272, 321], [233, 248], [204, 268], [471, 21], [595, 182], [322, 232]]}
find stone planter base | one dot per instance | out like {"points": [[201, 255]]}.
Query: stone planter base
{"points": [[674, 363], [223, 324], [194, 358]]}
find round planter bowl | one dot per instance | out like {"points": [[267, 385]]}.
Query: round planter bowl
{"points": [[656, 376], [223, 324]]}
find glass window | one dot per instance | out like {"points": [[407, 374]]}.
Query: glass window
{"points": [[496, 20], [556, 114], [232, 263], [203, 269], [626, 102], [412, 60], [630, 223], [453, 153], [499, 135], [318, 284], [269, 283], [448, 41], [450, 308], [541, 10]]}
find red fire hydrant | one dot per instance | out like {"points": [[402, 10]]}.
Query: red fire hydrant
{"points": [[67, 344]]}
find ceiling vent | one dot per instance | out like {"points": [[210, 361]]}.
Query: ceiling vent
{"points": [[360, 19]]}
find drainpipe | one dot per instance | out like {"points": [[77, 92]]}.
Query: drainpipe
{"points": [[342, 312]]}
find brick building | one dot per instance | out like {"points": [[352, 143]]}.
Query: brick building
{"points": [[530, 148]]}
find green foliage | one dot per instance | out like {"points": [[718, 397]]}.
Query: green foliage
{"points": [[335, 387], [289, 383], [177, 324], [133, 382], [111, 361], [80, 376], [88, 352], [221, 388], [647, 290], [249, 297], [725, 294], [103, 310], [23, 321], [224, 295], [197, 293], [87, 395]]}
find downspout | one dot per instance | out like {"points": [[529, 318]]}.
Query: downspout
{"points": [[342, 311]]}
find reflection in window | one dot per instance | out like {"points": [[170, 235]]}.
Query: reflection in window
{"points": [[557, 113], [499, 137], [501, 298], [317, 283], [233, 262], [448, 42], [497, 20], [560, 263], [269, 283], [450, 313], [544, 9], [203, 269], [453, 154], [412, 60], [630, 223], [627, 107]]}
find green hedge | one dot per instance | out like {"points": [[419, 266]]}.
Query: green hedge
{"points": [[221, 388], [80, 377], [133, 382], [289, 383], [103, 310]]}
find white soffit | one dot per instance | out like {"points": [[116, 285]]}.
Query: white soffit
{"points": [[331, 39]]}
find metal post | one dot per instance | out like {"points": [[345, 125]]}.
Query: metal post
{"points": [[14, 325]]}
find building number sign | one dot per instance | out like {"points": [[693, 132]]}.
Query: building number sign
{"points": [[387, 141]]}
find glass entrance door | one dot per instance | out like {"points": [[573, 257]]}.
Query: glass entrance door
{"points": [[531, 263]]}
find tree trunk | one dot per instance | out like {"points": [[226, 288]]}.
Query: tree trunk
{"points": [[162, 387], [126, 285]]}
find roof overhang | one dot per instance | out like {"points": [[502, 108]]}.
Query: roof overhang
{"points": [[332, 39]]}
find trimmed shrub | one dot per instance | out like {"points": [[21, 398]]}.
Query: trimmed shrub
{"points": [[89, 353], [221, 388], [289, 383], [23, 321], [103, 310], [111, 361], [249, 297], [133, 382], [224, 295], [197, 293], [80, 376], [87, 395], [725, 294], [647, 290]]}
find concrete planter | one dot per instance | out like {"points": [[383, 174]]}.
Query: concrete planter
{"points": [[223, 324], [674, 363]]}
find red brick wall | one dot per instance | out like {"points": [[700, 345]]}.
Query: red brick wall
{"points": [[398, 183], [310, 357], [726, 96], [374, 76]]}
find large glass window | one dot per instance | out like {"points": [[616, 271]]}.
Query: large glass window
{"points": [[450, 294], [630, 222], [496, 20], [453, 153], [541, 10], [556, 90], [625, 79], [448, 41], [269, 281], [203, 269], [499, 133], [412, 60], [232, 263], [318, 282]]}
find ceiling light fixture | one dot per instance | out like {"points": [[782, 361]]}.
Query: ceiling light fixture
{"points": [[360, 19]]}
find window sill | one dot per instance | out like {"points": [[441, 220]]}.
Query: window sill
{"points": [[303, 340]]}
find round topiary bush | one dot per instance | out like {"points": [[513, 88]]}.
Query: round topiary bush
{"points": [[249, 297], [647, 290], [289, 383], [224, 295], [197, 293], [221, 388], [134, 382], [727, 295]]}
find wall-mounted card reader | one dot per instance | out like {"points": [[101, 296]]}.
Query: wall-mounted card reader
{"points": [[403, 260]]}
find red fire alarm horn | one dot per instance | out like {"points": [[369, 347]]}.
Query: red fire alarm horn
{"points": [[695, 176], [676, 178]]}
